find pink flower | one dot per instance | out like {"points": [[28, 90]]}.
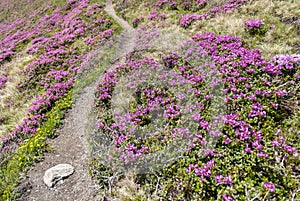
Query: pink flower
{"points": [[227, 141], [247, 149], [227, 198], [269, 186], [290, 149], [262, 154], [275, 143]]}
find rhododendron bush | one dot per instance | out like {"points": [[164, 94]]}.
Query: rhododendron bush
{"points": [[207, 9], [236, 150], [3, 79], [225, 7]]}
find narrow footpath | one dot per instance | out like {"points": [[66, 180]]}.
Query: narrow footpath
{"points": [[71, 146]]}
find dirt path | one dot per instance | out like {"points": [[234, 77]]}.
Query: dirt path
{"points": [[71, 145]]}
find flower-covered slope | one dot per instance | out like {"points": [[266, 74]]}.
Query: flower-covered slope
{"points": [[253, 153], [243, 142], [59, 43], [57, 38]]}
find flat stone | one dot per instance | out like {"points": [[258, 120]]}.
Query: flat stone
{"points": [[57, 173]]}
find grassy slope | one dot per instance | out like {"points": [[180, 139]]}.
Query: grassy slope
{"points": [[284, 39]]}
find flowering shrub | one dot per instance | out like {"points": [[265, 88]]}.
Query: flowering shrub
{"points": [[227, 7], [187, 20], [245, 161], [284, 65], [135, 22], [3, 79], [252, 24], [193, 5], [269, 186], [145, 38], [166, 3], [156, 16], [255, 27]]}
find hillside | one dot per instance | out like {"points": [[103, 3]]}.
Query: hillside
{"points": [[164, 100]]}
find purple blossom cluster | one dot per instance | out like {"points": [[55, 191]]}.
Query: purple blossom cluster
{"points": [[21, 31], [252, 24], [162, 3], [269, 186], [57, 60], [135, 22], [204, 171], [220, 179], [227, 198], [3, 79], [70, 25], [284, 64], [193, 5], [156, 16], [257, 26], [231, 48], [227, 7], [187, 5], [187, 20]]}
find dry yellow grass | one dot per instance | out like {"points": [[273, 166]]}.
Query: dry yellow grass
{"points": [[127, 189], [16, 112]]}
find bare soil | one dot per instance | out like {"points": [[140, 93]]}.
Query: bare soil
{"points": [[71, 146]]}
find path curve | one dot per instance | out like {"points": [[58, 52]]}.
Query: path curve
{"points": [[71, 146]]}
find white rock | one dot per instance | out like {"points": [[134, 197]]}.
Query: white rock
{"points": [[57, 173]]}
